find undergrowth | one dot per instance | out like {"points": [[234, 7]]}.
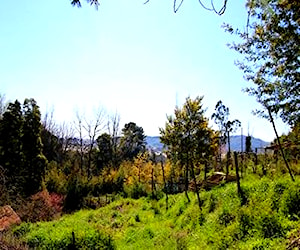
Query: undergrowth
{"points": [[266, 220]]}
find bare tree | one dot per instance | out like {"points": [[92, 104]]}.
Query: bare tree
{"points": [[80, 143], [113, 126], [49, 123], [65, 133], [93, 128]]}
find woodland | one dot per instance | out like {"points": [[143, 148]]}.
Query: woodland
{"points": [[94, 185]]}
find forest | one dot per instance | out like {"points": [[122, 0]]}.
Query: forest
{"points": [[94, 185]]}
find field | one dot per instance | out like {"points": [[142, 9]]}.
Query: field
{"points": [[267, 218]]}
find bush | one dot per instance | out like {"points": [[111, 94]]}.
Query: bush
{"points": [[41, 207], [291, 203], [137, 190], [55, 179], [270, 226], [77, 190]]}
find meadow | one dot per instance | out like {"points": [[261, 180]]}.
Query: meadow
{"points": [[266, 218]]}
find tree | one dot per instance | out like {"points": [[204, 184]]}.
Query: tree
{"points": [[105, 151], [93, 128], [11, 150], [133, 141], [221, 118], [270, 47], [21, 147], [176, 5], [52, 146], [291, 143], [31, 142], [188, 138], [248, 144], [88, 131], [114, 132]]}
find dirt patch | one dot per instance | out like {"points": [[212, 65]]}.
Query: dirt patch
{"points": [[8, 217]]}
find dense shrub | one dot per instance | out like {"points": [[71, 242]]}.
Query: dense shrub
{"points": [[77, 190], [136, 191], [291, 203], [41, 207]]}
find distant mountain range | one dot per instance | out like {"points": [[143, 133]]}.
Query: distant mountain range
{"points": [[153, 142]]}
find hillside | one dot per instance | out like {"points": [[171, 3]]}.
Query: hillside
{"points": [[268, 219], [153, 142]]}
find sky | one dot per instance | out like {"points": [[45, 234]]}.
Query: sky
{"points": [[139, 60]]}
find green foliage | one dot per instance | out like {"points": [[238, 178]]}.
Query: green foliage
{"points": [[136, 191], [77, 190], [21, 147], [133, 141], [145, 224], [187, 135], [272, 56], [105, 151], [291, 202], [221, 118]]}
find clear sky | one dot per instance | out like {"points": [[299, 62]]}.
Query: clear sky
{"points": [[139, 60]]}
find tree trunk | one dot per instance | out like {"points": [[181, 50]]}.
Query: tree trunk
{"points": [[186, 186], [165, 185], [196, 186], [280, 146], [228, 156]]}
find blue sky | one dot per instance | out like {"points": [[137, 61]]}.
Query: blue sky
{"points": [[139, 60]]}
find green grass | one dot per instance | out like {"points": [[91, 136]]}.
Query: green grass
{"points": [[266, 221]]}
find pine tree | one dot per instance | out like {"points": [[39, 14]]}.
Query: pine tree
{"points": [[35, 161], [11, 149], [21, 148]]}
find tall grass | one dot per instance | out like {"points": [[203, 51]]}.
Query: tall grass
{"points": [[266, 220]]}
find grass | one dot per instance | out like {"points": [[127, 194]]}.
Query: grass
{"points": [[269, 217]]}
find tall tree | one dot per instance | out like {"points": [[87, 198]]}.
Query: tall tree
{"points": [[11, 149], [52, 146], [188, 138], [133, 141], [270, 47], [105, 151], [21, 147], [221, 118], [114, 132], [35, 161]]}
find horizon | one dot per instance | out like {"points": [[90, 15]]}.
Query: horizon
{"points": [[135, 59]]}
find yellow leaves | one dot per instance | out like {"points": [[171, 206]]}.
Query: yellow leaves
{"points": [[259, 31]]}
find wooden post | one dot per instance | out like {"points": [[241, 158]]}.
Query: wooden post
{"points": [[237, 174], [227, 164]]}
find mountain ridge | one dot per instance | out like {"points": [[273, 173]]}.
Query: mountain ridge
{"points": [[153, 143]]}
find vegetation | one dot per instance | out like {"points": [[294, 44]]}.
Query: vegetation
{"points": [[268, 220], [93, 186], [271, 56], [124, 196]]}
